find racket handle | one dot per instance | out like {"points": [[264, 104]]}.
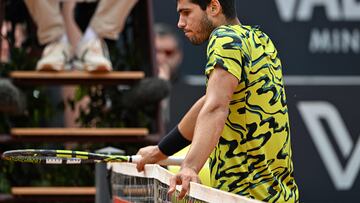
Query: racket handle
{"points": [[170, 161]]}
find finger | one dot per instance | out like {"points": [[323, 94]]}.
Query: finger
{"points": [[184, 188], [172, 186], [140, 165]]}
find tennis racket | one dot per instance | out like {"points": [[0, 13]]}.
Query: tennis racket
{"points": [[46, 156]]}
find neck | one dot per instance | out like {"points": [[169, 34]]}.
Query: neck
{"points": [[234, 21], [222, 20]]}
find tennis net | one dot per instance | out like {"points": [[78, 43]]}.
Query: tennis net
{"points": [[151, 186]]}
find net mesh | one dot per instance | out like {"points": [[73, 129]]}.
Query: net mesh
{"points": [[152, 185]]}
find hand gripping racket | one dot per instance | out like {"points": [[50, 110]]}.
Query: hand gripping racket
{"points": [[46, 156]]}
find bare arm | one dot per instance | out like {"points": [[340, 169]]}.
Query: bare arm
{"points": [[209, 125], [187, 123], [152, 154], [211, 119], [72, 29]]}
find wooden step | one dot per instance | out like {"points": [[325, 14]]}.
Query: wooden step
{"points": [[53, 190], [75, 77], [86, 132]]}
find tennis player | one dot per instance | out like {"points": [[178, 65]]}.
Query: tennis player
{"points": [[241, 122]]}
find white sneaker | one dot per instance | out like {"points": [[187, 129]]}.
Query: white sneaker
{"points": [[56, 57], [94, 55]]}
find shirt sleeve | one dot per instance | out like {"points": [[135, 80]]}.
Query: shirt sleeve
{"points": [[225, 49]]}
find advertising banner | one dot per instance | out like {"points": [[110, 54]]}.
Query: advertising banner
{"points": [[319, 37]]}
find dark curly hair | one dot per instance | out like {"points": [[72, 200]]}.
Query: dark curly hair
{"points": [[228, 6]]}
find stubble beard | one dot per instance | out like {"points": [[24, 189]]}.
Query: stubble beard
{"points": [[206, 27]]}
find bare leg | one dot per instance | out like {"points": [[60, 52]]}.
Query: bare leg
{"points": [[72, 29], [74, 35]]}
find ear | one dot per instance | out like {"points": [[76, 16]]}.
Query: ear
{"points": [[214, 8]]}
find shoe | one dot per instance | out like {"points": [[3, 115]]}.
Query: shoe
{"points": [[56, 57], [77, 64], [94, 55]]}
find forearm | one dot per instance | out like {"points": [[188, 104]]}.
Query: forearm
{"points": [[181, 136], [209, 126], [187, 124]]}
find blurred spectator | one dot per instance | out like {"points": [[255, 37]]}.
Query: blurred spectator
{"points": [[107, 22], [168, 57], [19, 38], [4, 57], [168, 52]]}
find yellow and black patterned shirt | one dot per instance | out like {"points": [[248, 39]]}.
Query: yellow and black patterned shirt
{"points": [[253, 157]]}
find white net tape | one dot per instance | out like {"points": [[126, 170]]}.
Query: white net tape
{"points": [[151, 186]]}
